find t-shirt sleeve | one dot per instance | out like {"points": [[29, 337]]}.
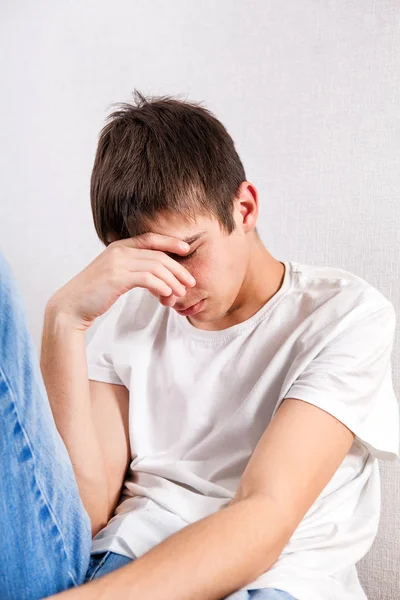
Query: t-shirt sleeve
{"points": [[351, 378], [100, 349]]}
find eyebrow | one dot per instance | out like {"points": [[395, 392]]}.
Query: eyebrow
{"points": [[194, 237]]}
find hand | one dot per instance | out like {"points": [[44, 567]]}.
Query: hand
{"points": [[125, 264]]}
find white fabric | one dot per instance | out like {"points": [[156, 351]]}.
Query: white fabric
{"points": [[201, 400]]}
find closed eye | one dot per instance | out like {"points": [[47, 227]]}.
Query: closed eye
{"points": [[180, 258]]}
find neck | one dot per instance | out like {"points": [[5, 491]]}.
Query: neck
{"points": [[263, 279]]}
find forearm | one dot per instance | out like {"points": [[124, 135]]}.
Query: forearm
{"points": [[207, 560], [65, 374]]}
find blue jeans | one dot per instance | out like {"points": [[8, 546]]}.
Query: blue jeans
{"points": [[45, 531]]}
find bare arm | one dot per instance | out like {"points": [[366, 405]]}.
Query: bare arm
{"points": [[296, 457], [110, 410], [83, 411], [65, 374]]}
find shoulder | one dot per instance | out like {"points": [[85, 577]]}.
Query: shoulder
{"points": [[330, 300], [320, 284]]}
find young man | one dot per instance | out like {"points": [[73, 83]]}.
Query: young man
{"points": [[219, 435]]}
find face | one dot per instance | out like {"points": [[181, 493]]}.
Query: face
{"points": [[217, 261]]}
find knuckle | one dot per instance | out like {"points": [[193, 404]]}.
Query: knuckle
{"points": [[115, 250], [158, 269], [147, 278]]}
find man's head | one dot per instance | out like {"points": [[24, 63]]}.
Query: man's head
{"points": [[170, 166]]}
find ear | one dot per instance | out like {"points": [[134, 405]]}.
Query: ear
{"points": [[247, 205]]}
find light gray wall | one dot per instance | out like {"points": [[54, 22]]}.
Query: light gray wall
{"points": [[309, 91]]}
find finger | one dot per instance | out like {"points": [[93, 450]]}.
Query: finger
{"points": [[156, 241], [160, 271], [147, 280], [172, 265]]}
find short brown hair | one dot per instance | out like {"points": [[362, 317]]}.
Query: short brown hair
{"points": [[162, 155]]}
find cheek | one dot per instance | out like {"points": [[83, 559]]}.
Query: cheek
{"points": [[213, 277], [202, 271]]}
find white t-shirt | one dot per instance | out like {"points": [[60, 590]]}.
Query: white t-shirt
{"points": [[201, 400]]}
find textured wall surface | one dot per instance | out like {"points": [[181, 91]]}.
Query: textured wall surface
{"points": [[310, 91]]}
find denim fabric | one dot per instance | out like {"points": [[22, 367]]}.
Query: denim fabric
{"points": [[261, 594], [101, 564], [45, 531]]}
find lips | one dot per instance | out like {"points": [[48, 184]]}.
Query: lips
{"points": [[186, 307], [192, 310]]}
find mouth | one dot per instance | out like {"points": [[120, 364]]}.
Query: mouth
{"points": [[191, 310]]}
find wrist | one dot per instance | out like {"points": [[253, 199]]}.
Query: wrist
{"points": [[59, 317]]}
